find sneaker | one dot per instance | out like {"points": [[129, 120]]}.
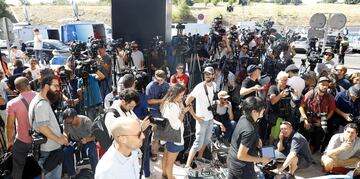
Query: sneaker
{"points": [[188, 170], [178, 163]]}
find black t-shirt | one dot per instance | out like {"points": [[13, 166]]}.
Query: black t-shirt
{"points": [[248, 83], [282, 107], [245, 133]]}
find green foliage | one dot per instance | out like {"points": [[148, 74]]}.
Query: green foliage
{"points": [[282, 1], [329, 1], [182, 12], [60, 2], [3, 9], [256, 0], [215, 2], [230, 2], [352, 1]]}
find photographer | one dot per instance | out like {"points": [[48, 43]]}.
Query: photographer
{"points": [[43, 120], [293, 148], [280, 109], [136, 56], [224, 118], [341, 71], [329, 59], [77, 129], [224, 78], [250, 86], [88, 90], [16, 109], [104, 61], [155, 91], [129, 98], [75, 48], [245, 140], [223, 49], [347, 106], [204, 94], [316, 108]]}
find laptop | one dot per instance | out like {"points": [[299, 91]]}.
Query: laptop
{"points": [[268, 151]]}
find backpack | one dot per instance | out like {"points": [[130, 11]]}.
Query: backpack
{"points": [[99, 130]]}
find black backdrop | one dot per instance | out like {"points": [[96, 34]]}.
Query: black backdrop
{"points": [[139, 20]]}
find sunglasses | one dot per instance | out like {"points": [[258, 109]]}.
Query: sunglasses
{"points": [[138, 135]]}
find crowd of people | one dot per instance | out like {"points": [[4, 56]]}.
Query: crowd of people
{"points": [[245, 107]]}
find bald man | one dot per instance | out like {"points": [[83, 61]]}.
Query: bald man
{"points": [[121, 159]]}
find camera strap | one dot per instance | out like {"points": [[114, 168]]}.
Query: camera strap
{"points": [[33, 111], [25, 102], [207, 93]]}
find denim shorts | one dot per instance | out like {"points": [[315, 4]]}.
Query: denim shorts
{"points": [[173, 148]]}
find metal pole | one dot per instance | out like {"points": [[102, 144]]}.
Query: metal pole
{"points": [[326, 33]]}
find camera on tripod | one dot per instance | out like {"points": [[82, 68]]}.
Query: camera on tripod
{"points": [[84, 67], [217, 30], [117, 43], [233, 33]]}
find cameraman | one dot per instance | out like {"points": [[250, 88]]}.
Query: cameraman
{"points": [[224, 78], [250, 86], [16, 109], [136, 56], [104, 61], [224, 118], [280, 110], [223, 49], [77, 129], [155, 91], [88, 90], [316, 108], [329, 59], [43, 120]]}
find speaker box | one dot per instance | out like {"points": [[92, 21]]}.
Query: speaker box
{"points": [[141, 20]]}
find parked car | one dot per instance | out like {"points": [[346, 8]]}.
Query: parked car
{"points": [[355, 45], [301, 45], [48, 46], [330, 43]]}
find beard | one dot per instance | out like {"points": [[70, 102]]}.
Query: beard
{"points": [[53, 96]]}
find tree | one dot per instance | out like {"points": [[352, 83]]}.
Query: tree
{"points": [[3, 9], [352, 1], [330, 1]]}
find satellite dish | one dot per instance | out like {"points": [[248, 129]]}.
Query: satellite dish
{"points": [[314, 33], [337, 21], [318, 20], [75, 9]]}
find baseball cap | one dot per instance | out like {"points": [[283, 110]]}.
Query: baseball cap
{"points": [[323, 79], [355, 90], [223, 94], [252, 68], [291, 67], [160, 74], [209, 70]]}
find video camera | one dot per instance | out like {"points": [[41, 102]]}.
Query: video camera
{"points": [[217, 30], [233, 33], [117, 43]]}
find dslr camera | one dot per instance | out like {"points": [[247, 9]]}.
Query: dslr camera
{"points": [[37, 138]]}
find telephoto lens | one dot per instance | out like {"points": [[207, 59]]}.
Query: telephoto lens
{"points": [[324, 122]]}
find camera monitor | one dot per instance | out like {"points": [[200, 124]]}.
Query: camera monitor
{"points": [[268, 151]]}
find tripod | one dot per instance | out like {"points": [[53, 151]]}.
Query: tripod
{"points": [[194, 59]]}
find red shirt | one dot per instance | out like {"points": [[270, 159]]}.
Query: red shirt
{"points": [[16, 107], [179, 78], [319, 104]]}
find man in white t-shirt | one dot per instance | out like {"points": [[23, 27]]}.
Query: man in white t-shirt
{"points": [[34, 69], [137, 56], [38, 45], [121, 160], [294, 80], [204, 95]]}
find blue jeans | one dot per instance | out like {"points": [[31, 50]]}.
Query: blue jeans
{"points": [[229, 126], [89, 149], [38, 56], [53, 174]]}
